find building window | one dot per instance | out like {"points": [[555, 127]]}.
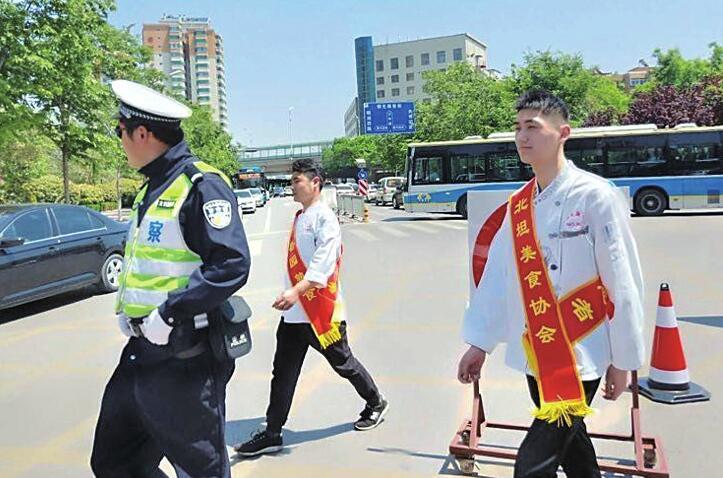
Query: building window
{"points": [[457, 54], [441, 57], [425, 58], [380, 65], [410, 76], [380, 93], [394, 63], [410, 90], [409, 61], [395, 78], [395, 91], [380, 80]]}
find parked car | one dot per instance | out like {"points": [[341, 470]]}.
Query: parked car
{"points": [[259, 196], [278, 192], [245, 200], [344, 188], [387, 188], [288, 191], [398, 198], [48, 249], [371, 193]]}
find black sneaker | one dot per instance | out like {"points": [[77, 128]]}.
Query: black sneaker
{"points": [[371, 417], [260, 443]]}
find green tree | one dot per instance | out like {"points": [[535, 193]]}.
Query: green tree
{"points": [[463, 103], [566, 76], [675, 70], [210, 142]]}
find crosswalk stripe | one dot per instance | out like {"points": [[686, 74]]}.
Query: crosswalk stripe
{"points": [[255, 247], [362, 234], [419, 227], [450, 225], [392, 231]]}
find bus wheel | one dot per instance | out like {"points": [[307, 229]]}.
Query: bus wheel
{"points": [[462, 206], [651, 202]]}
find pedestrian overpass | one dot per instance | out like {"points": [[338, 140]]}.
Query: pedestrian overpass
{"points": [[275, 161]]}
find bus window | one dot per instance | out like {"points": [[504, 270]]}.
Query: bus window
{"points": [[467, 168], [635, 156], [427, 170], [697, 159], [586, 154], [503, 166]]}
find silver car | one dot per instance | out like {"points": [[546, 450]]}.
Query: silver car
{"points": [[245, 200], [259, 196]]}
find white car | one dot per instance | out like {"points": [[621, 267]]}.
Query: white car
{"points": [[387, 188], [344, 188], [259, 196], [245, 200], [371, 193]]}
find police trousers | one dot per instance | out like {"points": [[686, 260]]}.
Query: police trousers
{"points": [[547, 446], [174, 408], [292, 342]]}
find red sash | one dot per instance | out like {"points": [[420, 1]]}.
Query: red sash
{"points": [[319, 305], [552, 326]]}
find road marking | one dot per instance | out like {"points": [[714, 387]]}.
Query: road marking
{"points": [[255, 247], [393, 231], [450, 225], [267, 224], [362, 234], [425, 229]]}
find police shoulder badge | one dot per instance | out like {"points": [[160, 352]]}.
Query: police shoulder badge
{"points": [[218, 213]]}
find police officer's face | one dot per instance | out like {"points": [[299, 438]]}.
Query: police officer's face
{"points": [[303, 187], [132, 145], [539, 137]]}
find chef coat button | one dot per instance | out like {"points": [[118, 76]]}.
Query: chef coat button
{"points": [[553, 267], [133, 357], [557, 203]]}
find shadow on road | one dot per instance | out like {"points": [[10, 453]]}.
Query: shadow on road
{"points": [[45, 305], [709, 320], [241, 430]]}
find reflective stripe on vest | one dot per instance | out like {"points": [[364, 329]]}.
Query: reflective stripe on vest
{"points": [[157, 258]]}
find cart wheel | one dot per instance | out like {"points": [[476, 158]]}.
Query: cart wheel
{"points": [[649, 458], [466, 465]]}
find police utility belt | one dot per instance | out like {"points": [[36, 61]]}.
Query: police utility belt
{"points": [[229, 335]]}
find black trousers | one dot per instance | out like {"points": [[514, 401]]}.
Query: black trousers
{"points": [[173, 408], [548, 446], [292, 342]]}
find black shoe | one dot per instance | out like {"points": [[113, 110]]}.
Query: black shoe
{"points": [[371, 417], [260, 443]]}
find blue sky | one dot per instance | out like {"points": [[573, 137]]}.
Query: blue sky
{"points": [[282, 53]]}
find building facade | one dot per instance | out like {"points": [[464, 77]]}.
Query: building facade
{"points": [[191, 55], [351, 119], [394, 71]]}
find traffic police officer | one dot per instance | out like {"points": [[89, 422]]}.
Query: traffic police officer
{"points": [[186, 254]]}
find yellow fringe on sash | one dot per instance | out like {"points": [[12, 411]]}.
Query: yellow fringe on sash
{"points": [[562, 412], [331, 336]]}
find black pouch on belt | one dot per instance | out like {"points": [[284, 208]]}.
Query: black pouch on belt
{"points": [[228, 329]]}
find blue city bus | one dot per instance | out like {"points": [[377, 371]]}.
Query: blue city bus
{"points": [[678, 168], [250, 178]]}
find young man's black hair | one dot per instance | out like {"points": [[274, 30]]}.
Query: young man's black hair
{"points": [[310, 168], [543, 101]]}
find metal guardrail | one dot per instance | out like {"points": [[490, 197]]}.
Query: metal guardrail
{"points": [[350, 205]]}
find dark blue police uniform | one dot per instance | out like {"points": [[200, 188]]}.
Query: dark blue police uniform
{"points": [[170, 400]]}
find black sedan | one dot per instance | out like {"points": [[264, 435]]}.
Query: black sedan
{"points": [[48, 249]]}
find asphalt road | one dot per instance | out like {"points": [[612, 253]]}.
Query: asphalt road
{"points": [[405, 281]]}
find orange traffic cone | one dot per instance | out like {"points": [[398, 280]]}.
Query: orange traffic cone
{"points": [[669, 380]]}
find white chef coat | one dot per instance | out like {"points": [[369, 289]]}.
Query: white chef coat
{"points": [[318, 241], [583, 226]]}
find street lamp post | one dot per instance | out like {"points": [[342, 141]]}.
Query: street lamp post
{"points": [[291, 141]]}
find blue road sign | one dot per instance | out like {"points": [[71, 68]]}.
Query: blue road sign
{"points": [[386, 118], [362, 174]]}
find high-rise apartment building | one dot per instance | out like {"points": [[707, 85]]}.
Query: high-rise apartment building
{"points": [[191, 55]]}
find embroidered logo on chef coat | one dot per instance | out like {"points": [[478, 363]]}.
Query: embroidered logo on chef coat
{"points": [[218, 213], [575, 221]]}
